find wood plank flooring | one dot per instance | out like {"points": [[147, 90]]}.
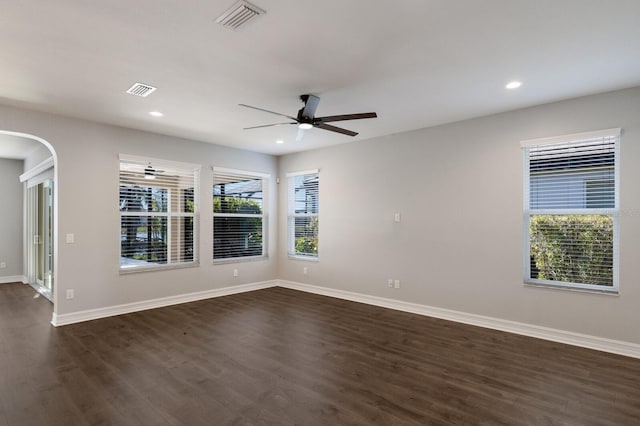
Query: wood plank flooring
{"points": [[284, 357]]}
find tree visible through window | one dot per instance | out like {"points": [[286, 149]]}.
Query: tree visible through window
{"points": [[571, 210]]}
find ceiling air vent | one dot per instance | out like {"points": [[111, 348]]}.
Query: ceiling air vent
{"points": [[140, 89], [239, 14]]}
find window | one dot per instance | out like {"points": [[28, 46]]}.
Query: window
{"points": [[239, 224], [158, 214], [571, 210], [303, 214]]}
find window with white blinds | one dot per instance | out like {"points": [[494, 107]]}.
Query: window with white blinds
{"points": [[239, 221], [303, 198], [571, 210], [158, 213]]}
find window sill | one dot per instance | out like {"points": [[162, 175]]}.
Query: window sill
{"points": [[239, 260], [605, 292], [307, 258], [140, 269]]}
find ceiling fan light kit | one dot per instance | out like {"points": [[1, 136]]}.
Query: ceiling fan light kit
{"points": [[306, 118], [150, 173]]}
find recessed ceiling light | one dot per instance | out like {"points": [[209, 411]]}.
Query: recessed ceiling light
{"points": [[156, 113], [305, 126], [513, 84], [279, 141]]}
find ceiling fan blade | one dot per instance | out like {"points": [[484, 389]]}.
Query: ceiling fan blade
{"points": [[335, 129], [266, 110], [265, 125], [310, 105], [300, 134], [344, 117]]}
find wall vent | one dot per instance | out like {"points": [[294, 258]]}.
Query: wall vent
{"points": [[141, 89], [239, 14]]}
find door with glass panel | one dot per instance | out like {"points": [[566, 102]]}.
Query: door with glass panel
{"points": [[40, 236]]}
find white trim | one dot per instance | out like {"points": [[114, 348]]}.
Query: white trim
{"points": [[305, 172], [135, 269], [243, 173], [91, 314], [561, 336], [13, 279], [54, 156], [40, 178], [310, 258], [574, 137], [158, 161], [529, 211], [226, 260], [37, 169]]}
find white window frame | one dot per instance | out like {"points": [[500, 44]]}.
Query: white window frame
{"points": [[613, 212], [265, 185], [159, 164], [291, 215]]}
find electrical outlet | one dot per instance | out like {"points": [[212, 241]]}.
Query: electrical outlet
{"points": [[70, 238], [396, 283], [390, 283], [235, 272], [305, 270], [396, 217], [70, 294], [3, 265]]}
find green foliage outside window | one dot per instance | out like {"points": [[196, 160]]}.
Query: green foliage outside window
{"points": [[572, 248], [235, 205], [306, 241], [237, 236]]}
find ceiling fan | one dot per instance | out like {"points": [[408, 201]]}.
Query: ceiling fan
{"points": [[150, 172], [306, 118]]}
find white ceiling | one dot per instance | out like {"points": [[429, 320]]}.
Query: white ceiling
{"points": [[417, 63]]}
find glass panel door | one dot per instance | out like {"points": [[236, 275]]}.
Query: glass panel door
{"points": [[40, 237], [47, 231]]}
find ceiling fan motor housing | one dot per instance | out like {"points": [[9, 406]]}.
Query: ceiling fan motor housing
{"points": [[307, 119]]}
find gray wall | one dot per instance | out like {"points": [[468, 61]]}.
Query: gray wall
{"points": [[87, 191], [459, 245], [458, 188], [11, 217]]}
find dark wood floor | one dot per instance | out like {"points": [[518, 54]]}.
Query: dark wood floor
{"points": [[282, 357]]}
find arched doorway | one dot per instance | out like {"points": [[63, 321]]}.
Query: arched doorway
{"points": [[39, 205]]}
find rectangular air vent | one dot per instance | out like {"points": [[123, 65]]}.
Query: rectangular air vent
{"points": [[141, 89], [239, 14]]}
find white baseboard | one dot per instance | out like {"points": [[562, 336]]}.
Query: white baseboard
{"points": [[555, 335], [13, 279], [560, 336], [91, 314]]}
